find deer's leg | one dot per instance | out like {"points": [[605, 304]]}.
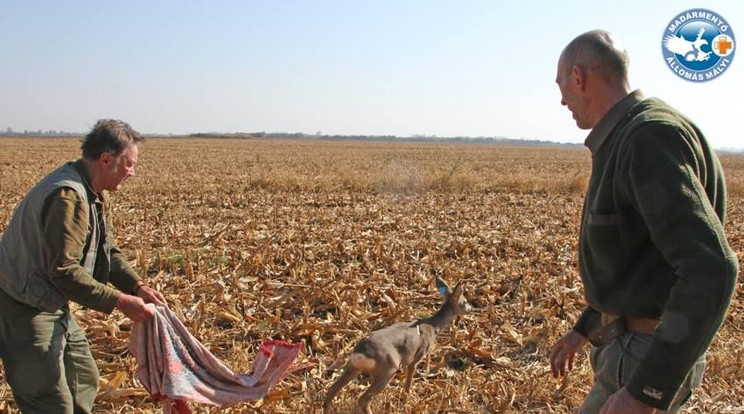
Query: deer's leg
{"points": [[349, 374], [410, 370], [378, 384]]}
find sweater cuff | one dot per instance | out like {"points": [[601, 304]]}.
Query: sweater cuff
{"points": [[589, 321], [642, 389]]}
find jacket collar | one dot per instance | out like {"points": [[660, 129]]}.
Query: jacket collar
{"points": [[80, 168], [604, 127]]}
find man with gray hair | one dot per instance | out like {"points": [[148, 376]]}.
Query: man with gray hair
{"points": [[58, 247], [657, 269]]}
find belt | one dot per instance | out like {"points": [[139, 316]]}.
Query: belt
{"points": [[643, 326], [613, 326]]}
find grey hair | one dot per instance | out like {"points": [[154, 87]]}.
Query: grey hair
{"points": [[109, 135], [600, 52]]}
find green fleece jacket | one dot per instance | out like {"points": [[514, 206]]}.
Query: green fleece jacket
{"points": [[652, 242]]}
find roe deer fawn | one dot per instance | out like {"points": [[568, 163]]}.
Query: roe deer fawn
{"points": [[403, 344]]}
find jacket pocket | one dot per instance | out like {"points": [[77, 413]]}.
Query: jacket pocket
{"points": [[603, 242], [40, 293]]}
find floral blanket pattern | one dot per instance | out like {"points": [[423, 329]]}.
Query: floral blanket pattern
{"points": [[174, 366]]}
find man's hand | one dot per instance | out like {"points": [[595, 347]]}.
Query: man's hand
{"points": [[134, 308], [622, 402], [564, 350], [150, 295]]}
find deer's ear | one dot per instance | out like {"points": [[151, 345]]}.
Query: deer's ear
{"points": [[442, 287], [458, 289]]}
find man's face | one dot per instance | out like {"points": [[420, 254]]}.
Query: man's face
{"points": [[117, 168], [571, 97]]}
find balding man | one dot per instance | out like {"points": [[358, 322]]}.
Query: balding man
{"points": [[657, 270]]}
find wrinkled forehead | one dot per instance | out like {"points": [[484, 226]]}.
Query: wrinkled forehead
{"points": [[560, 69]]}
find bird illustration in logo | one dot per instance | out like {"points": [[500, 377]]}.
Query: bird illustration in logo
{"points": [[691, 50]]}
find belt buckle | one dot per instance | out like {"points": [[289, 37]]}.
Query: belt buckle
{"points": [[606, 333]]}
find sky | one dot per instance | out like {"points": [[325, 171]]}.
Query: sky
{"points": [[352, 67]]}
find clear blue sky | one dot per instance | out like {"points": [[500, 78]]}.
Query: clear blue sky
{"points": [[446, 68]]}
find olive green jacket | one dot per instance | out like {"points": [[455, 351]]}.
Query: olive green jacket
{"points": [[58, 246]]}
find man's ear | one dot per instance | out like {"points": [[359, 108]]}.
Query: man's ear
{"points": [[105, 158]]}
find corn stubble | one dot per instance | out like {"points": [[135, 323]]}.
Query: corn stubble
{"points": [[321, 242]]}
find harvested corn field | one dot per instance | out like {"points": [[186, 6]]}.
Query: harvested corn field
{"points": [[321, 242]]}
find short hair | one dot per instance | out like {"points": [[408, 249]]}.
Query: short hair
{"points": [[599, 51], [109, 135]]}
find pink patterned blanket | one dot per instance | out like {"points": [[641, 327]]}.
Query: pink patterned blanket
{"points": [[175, 367]]}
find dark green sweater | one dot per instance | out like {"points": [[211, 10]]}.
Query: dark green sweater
{"points": [[652, 242]]}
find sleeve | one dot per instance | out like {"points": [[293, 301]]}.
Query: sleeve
{"points": [[664, 170], [65, 228], [588, 322]]}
